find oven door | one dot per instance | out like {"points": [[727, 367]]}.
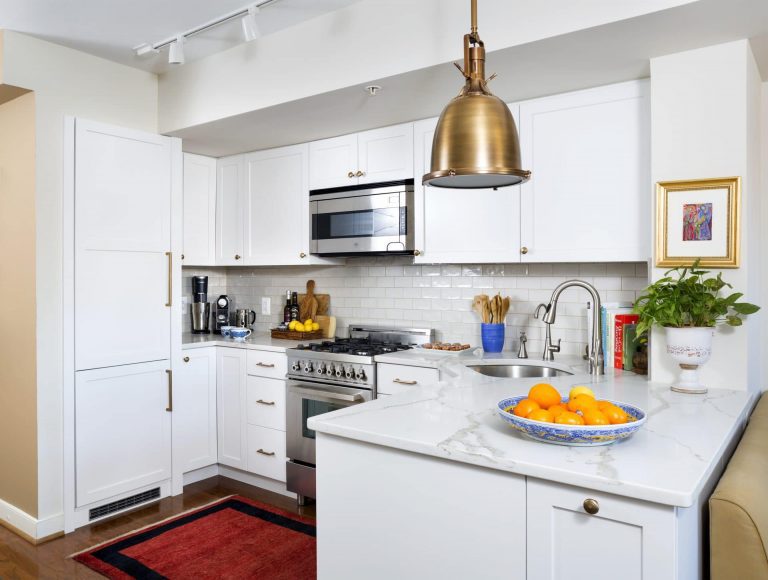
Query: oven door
{"points": [[380, 223], [307, 399]]}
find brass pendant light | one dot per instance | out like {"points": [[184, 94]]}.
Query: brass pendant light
{"points": [[476, 143]]}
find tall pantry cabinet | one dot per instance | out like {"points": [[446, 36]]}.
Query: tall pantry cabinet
{"points": [[122, 316]]}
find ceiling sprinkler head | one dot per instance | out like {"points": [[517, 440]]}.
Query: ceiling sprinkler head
{"points": [[373, 90]]}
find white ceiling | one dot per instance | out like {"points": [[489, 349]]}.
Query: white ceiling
{"points": [[111, 28]]}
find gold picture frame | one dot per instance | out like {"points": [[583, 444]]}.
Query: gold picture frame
{"points": [[698, 218]]}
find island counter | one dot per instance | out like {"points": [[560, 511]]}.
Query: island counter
{"points": [[432, 483]]}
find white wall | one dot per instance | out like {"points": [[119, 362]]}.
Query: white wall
{"points": [[704, 115], [371, 39], [66, 82]]}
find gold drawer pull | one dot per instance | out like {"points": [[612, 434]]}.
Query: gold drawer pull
{"points": [[265, 365], [262, 402], [169, 408], [267, 453], [591, 506], [402, 382], [170, 279]]}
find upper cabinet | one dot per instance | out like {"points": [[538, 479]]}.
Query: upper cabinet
{"points": [[378, 155], [230, 187], [589, 195], [460, 225], [199, 247]]}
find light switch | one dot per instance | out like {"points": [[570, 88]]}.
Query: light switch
{"points": [[266, 305]]}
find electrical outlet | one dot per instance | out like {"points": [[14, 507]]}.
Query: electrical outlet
{"points": [[266, 305]]}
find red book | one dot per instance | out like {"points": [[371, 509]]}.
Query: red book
{"points": [[618, 337]]}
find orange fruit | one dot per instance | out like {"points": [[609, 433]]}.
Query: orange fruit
{"points": [[569, 418], [556, 410], [544, 394], [615, 415], [525, 407], [601, 405], [542, 415], [582, 403], [595, 417]]}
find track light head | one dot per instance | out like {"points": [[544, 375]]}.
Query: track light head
{"points": [[250, 28], [176, 51]]}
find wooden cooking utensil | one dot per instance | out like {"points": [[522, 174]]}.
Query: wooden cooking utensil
{"points": [[505, 308], [308, 305]]}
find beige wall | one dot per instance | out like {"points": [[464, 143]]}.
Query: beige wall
{"points": [[18, 376]]}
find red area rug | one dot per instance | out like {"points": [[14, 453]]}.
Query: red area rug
{"points": [[231, 538]]}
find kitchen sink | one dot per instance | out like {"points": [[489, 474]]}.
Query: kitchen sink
{"points": [[517, 371]]}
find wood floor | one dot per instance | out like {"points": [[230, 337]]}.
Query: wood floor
{"points": [[21, 560]]}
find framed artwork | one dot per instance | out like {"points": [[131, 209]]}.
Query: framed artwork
{"points": [[698, 219]]}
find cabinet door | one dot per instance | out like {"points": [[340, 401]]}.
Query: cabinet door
{"points": [[626, 538], [199, 210], [277, 207], [229, 210], [386, 154], [122, 430], [588, 198], [194, 410], [231, 408], [333, 162], [459, 225], [122, 244]]}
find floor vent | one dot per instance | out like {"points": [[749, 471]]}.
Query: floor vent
{"points": [[124, 503]]}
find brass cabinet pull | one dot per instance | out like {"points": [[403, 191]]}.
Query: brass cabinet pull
{"points": [[265, 365], [523, 250], [402, 382], [302, 255], [182, 256], [351, 174], [591, 506], [169, 408], [186, 359], [237, 256], [170, 279], [360, 174], [262, 402], [267, 453], [417, 252]]}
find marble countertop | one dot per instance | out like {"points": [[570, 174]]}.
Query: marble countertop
{"points": [[667, 461], [256, 341], [419, 357]]}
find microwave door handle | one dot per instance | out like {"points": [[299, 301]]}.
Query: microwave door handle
{"points": [[328, 394]]}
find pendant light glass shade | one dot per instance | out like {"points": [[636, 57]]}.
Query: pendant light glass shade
{"points": [[476, 144]]}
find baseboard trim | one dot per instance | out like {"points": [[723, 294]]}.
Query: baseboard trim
{"points": [[201, 474], [255, 480], [35, 531]]}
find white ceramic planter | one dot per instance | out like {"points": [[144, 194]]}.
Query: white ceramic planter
{"points": [[690, 348]]}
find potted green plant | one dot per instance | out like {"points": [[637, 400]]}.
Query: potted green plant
{"points": [[688, 305]]}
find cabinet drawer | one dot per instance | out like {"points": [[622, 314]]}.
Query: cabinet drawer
{"points": [[265, 399], [264, 363], [266, 452], [393, 379]]}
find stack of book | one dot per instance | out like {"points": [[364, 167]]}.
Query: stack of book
{"points": [[619, 334]]}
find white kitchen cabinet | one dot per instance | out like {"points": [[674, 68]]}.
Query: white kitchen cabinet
{"points": [[194, 410], [266, 452], [373, 156], [589, 195], [626, 538], [122, 429], [231, 408], [265, 400], [276, 207], [459, 225], [199, 221], [230, 189], [393, 379]]}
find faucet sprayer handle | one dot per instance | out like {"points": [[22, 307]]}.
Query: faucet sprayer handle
{"points": [[553, 348], [539, 307]]}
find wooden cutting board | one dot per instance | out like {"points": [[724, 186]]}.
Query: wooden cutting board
{"points": [[323, 302], [327, 325]]}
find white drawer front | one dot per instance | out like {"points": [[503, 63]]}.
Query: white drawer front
{"points": [[265, 399], [392, 379], [263, 363], [266, 452]]}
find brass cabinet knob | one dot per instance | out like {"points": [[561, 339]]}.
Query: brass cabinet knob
{"points": [[186, 359], [302, 255], [237, 256], [359, 173], [351, 174], [591, 506], [523, 250], [417, 253], [182, 256]]}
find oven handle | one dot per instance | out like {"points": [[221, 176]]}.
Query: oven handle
{"points": [[328, 394]]}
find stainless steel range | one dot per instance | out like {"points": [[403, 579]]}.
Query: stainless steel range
{"points": [[328, 376]]}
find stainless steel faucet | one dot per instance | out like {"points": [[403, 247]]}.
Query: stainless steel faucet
{"points": [[522, 352], [595, 358]]}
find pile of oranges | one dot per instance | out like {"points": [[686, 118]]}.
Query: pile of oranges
{"points": [[545, 404]]}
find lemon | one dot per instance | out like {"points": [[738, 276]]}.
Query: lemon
{"points": [[299, 327], [308, 322], [292, 324], [315, 326], [580, 390]]}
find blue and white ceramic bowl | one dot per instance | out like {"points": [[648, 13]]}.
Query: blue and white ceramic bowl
{"points": [[225, 330], [239, 333], [576, 435]]}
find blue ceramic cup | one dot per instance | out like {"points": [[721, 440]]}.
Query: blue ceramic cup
{"points": [[225, 330], [239, 333], [492, 336]]}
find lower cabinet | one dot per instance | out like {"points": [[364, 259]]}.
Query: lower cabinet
{"points": [[231, 412], [194, 410], [266, 452], [265, 415], [393, 379]]}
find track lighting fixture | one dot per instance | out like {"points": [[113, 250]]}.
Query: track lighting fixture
{"points": [[176, 51], [250, 28]]}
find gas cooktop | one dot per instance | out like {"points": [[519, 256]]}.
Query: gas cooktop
{"points": [[355, 346]]}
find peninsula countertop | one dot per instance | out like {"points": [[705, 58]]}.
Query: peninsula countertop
{"points": [[256, 341], [667, 461]]}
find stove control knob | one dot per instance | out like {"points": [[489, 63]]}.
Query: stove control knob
{"points": [[329, 370], [360, 375], [339, 371], [321, 369], [308, 367], [350, 373], [295, 366]]}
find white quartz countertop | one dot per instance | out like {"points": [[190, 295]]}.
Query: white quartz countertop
{"points": [[667, 461], [420, 357], [256, 341]]}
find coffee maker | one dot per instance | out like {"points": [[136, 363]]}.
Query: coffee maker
{"points": [[223, 304], [200, 309]]}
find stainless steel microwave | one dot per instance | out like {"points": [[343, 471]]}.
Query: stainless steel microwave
{"points": [[375, 218]]}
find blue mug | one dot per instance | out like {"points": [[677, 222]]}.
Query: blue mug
{"points": [[492, 336], [225, 330], [239, 333]]}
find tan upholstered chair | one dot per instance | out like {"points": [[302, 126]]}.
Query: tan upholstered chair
{"points": [[738, 508]]}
